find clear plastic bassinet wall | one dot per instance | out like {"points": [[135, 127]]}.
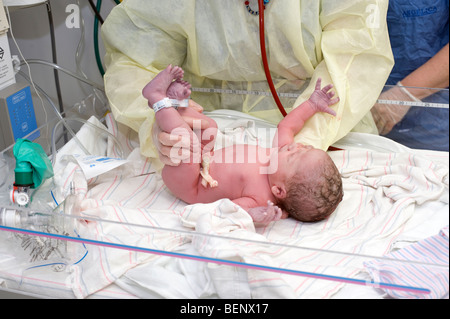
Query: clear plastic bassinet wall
{"points": [[106, 226]]}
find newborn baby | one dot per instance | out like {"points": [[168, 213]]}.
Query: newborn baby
{"points": [[289, 179]]}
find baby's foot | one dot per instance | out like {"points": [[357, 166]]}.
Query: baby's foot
{"points": [[156, 89], [179, 90]]}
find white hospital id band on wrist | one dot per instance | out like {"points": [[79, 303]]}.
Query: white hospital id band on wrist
{"points": [[166, 102]]}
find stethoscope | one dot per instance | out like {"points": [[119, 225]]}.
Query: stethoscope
{"points": [[262, 42]]}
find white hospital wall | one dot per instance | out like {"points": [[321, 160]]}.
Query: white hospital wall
{"points": [[31, 29]]}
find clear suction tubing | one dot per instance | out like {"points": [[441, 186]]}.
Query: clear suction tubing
{"points": [[29, 220], [57, 221]]}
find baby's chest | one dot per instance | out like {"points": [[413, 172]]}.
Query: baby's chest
{"points": [[252, 184]]}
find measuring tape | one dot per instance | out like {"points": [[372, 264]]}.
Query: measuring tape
{"points": [[243, 92], [296, 95], [414, 103]]}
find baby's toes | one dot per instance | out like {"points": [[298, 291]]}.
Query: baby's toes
{"points": [[177, 72]]}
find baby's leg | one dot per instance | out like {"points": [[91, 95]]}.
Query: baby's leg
{"points": [[183, 180], [181, 90], [207, 136], [168, 119]]}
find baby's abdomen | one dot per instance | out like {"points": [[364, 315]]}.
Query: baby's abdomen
{"points": [[232, 176]]}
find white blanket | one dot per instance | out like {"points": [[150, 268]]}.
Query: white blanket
{"points": [[389, 197]]}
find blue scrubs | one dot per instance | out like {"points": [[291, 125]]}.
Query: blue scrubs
{"points": [[418, 30]]}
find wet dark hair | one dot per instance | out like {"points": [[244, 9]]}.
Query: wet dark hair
{"points": [[312, 197]]}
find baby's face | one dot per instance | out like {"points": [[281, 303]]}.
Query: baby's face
{"points": [[296, 156]]}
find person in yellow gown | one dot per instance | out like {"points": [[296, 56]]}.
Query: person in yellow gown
{"points": [[216, 42]]}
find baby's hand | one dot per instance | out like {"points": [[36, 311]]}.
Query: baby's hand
{"points": [[262, 216], [322, 99]]}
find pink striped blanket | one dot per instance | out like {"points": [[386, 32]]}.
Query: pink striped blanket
{"points": [[387, 195]]}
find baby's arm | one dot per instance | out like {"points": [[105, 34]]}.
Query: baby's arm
{"points": [[320, 101], [262, 215]]}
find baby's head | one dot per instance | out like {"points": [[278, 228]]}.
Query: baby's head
{"points": [[307, 183]]}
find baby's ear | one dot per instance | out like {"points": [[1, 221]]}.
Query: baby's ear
{"points": [[279, 191]]}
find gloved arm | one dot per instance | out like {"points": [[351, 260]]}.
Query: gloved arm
{"points": [[387, 115], [433, 74]]}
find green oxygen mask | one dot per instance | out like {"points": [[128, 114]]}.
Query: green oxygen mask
{"points": [[32, 164]]}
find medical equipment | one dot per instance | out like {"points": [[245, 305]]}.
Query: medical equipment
{"points": [[431, 104], [17, 115], [262, 41], [32, 168]]}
